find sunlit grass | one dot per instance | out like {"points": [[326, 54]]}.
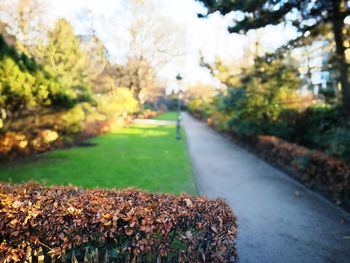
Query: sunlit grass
{"points": [[167, 116], [145, 157]]}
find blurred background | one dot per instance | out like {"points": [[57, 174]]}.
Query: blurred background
{"points": [[71, 69]]}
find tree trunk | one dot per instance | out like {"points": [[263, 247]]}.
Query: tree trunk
{"points": [[342, 66]]}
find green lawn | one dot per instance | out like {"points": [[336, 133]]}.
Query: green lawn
{"points": [[145, 157], [167, 116]]}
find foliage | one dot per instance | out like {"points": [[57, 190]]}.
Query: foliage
{"points": [[13, 145], [319, 127], [199, 108], [266, 90], [140, 78], [71, 120], [193, 228], [311, 19], [336, 143], [63, 57], [228, 74], [319, 119], [115, 104], [57, 94], [317, 168], [27, 89], [265, 102], [147, 114]]}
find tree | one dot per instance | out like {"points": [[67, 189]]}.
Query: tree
{"points": [[201, 91], [309, 18], [140, 77], [227, 74], [264, 92], [155, 42], [24, 21], [154, 37], [63, 58], [27, 90], [97, 66]]}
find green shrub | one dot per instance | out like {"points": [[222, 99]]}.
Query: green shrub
{"points": [[116, 104], [311, 124], [26, 89], [336, 142]]}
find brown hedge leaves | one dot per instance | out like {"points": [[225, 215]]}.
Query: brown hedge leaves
{"points": [[316, 167], [59, 219], [14, 145]]}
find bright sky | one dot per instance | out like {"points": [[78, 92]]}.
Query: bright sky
{"points": [[210, 36]]}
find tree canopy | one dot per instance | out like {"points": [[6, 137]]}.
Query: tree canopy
{"points": [[308, 17]]}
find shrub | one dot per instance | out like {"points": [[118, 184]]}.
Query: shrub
{"points": [[316, 167], [13, 145], [26, 89], [317, 127], [201, 109], [337, 143], [147, 114], [61, 220], [218, 120], [311, 124], [116, 104]]}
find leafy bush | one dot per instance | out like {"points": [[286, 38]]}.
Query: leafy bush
{"points": [[337, 143], [319, 119], [316, 167], [60, 220], [117, 103], [13, 145], [26, 89], [318, 127], [147, 114], [200, 108]]}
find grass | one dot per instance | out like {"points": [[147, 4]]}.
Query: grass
{"points": [[145, 157], [167, 116]]}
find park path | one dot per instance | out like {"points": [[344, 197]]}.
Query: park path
{"points": [[153, 122], [275, 224]]}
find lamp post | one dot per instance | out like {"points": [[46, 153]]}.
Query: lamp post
{"points": [[178, 132]]}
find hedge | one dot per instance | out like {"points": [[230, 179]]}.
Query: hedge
{"points": [[316, 168], [148, 114], [62, 220], [14, 145]]}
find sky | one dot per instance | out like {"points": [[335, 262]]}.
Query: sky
{"points": [[209, 36]]}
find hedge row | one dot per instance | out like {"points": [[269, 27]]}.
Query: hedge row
{"points": [[315, 167], [14, 145], [148, 114], [19, 144], [60, 219]]}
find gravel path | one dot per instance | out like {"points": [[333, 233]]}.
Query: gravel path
{"points": [[279, 219]]}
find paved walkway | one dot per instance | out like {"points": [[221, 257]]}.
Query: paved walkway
{"points": [[153, 122], [275, 224]]}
